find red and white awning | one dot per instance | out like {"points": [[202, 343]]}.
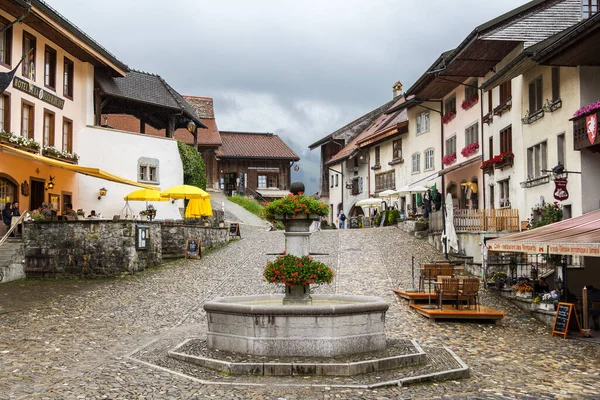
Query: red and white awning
{"points": [[578, 236]]}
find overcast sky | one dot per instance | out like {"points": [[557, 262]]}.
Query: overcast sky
{"points": [[300, 69]]}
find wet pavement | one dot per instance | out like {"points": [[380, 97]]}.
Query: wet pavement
{"points": [[74, 339]]}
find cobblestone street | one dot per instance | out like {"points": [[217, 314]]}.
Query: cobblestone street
{"points": [[72, 339]]}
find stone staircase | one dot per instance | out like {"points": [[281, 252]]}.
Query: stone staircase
{"points": [[12, 255]]}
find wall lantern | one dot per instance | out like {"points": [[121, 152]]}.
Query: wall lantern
{"points": [[50, 184], [102, 193], [191, 126]]}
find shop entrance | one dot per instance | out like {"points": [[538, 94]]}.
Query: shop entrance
{"points": [[8, 192], [37, 194], [230, 182]]}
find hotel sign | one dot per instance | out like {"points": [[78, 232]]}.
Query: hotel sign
{"points": [[38, 92]]}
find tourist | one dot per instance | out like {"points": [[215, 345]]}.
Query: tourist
{"points": [[69, 213], [92, 214], [7, 215], [437, 199], [427, 203], [542, 286], [46, 211], [16, 213], [342, 218]]}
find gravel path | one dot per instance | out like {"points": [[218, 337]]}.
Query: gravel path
{"points": [[71, 339]]}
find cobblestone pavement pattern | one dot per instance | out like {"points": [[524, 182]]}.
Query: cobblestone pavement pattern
{"points": [[70, 339]]}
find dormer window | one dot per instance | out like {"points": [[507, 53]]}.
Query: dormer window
{"points": [[589, 8]]}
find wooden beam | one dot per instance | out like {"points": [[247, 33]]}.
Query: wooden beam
{"points": [[142, 122], [196, 138], [170, 126]]}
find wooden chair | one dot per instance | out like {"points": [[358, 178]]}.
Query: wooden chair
{"points": [[470, 291], [446, 269], [429, 273], [448, 288]]}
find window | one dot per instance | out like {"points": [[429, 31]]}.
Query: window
{"points": [[5, 43], [148, 170], [262, 182], [48, 128], [67, 135], [506, 139], [491, 147], [331, 181], [385, 180], [4, 113], [504, 193], [450, 105], [397, 149], [450, 146], [428, 160], [423, 122], [536, 160], [357, 185], [50, 68], [589, 7], [471, 90], [490, 105], [560, 146], [272, 181], [535, 95], [337, 180], [472, 134], [29, 62], [68, 79], [377, 155], [267, 181], [555, 84], [416, 163], [27, 122], [505, 92]]}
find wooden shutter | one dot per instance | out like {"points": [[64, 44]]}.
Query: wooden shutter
{"points": [[491, 147], [490, 107], [532, 108], [555, 83]]}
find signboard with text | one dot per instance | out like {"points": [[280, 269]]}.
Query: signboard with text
{"points": [[38, 92]]}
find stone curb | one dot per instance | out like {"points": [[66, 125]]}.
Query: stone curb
{"points": [[303, 369]]}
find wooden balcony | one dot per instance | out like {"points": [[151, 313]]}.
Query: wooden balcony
{"points": [[478, 220], [581, 139]]}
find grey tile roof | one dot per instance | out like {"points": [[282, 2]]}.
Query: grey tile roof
{"points": [[146, 88]]}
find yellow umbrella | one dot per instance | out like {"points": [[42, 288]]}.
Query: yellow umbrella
{"points": [[197, 208], [185, 192], [145, 195], [206, 207]]}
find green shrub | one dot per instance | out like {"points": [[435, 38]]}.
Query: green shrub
{"points": [[194, 170], [293, 270], [393, 216], [378, 218], [249, 204]]}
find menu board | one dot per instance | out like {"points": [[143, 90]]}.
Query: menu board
{"points": [[566, 318], [193, 249]]}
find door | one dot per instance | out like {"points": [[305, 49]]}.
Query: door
{"points": [[230, 182], [36, 194]]}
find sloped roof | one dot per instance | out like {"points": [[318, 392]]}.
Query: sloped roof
{"points": [[145, 88], [355, 127], [202, 105], [254, 145]]}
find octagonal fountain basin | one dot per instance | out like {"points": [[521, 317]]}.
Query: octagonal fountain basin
{"points": [[261, 325]]}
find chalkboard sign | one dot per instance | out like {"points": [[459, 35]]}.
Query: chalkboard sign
{"points": [[564, 321], [193, 248], [234, 230], [353, 223], [367, 222]]}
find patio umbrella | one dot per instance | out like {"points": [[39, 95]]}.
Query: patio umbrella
{"points": [[184, 192], [197, 208], [145, 195], [450, 232], [389, 193], [413, 189], [372, 202]]}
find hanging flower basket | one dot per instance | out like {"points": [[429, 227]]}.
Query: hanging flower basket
{"points": [[468, 103], [449, 116], [587, 109], [449, 159], [470, 149]]}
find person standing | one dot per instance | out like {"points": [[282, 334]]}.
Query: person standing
{"points": [[437, 199], [342, 218], [427, 203], [15, 214], [7, 215]]}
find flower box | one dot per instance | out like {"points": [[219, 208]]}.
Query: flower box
{"points": [[506, 106], [449, 116], [470, 149], [71, 160], [468, 103], [587, 109], [20, 143], [523, 295], [504, 159], [298, 216], [449, 159]]}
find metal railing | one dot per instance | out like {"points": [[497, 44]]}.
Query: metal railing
{"points": [[478, 220]]}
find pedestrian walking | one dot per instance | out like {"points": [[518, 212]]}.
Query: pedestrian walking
{"points": [[342, 219]]}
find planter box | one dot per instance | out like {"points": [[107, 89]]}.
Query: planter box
{"points": [[60, 158], [4, 140], [523, 295]]}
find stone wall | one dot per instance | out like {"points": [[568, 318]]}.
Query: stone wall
{"points": [[174, 237], [88, 249]]}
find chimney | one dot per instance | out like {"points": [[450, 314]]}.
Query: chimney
{"points": [[397, 89]]}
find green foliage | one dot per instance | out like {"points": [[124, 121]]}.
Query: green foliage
{"points": [[499, 277], [378, 218], [545, 215], [249, 204], [295, 204], [194, 170], [293, 270], [393, 216]]}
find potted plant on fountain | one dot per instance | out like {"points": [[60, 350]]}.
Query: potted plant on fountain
{"points": [[297, 273], [296, 206]]}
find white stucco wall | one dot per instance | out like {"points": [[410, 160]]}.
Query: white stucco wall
{"points": [[118, 152], [336, 192]]}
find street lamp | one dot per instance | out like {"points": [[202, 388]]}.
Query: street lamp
{"points": [[191, 127]]}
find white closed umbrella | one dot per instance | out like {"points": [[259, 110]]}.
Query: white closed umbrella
{"points": [[413, 189], [450, 232], [372, 202]]}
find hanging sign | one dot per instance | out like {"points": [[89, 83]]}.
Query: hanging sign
{"points": [[560, 191], [591, 122], [38, 92]]}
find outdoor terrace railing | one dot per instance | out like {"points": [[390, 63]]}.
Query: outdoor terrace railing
{"points": [[478, 220]]}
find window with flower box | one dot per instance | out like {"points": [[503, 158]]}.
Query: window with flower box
{"points": [[429, 160], [29, 43], [423, 122], [385, 180], [4, 112], [506, 139], [450, 146], [48, 128], [416, 163], [67, 135], [5, 43], [535, 95], [472, 134], [27, 121]]}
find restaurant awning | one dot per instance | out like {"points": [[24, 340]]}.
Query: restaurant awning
{"points": [[578, 236], [95, 172]]}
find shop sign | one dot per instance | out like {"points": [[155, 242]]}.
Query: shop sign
{"points": [[38, 92], [560, 191], [591, 122]]}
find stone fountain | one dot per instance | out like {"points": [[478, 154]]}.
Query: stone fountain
{"points": [[297, 324]]}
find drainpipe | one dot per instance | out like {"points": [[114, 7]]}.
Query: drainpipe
{"points": [[482, 186]]}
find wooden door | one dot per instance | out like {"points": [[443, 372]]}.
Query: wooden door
{"points": [[37, 194]]}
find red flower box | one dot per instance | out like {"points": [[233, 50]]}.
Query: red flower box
{"points": [[449, 159], [468, 103], [449, 116], [470, 149]]}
